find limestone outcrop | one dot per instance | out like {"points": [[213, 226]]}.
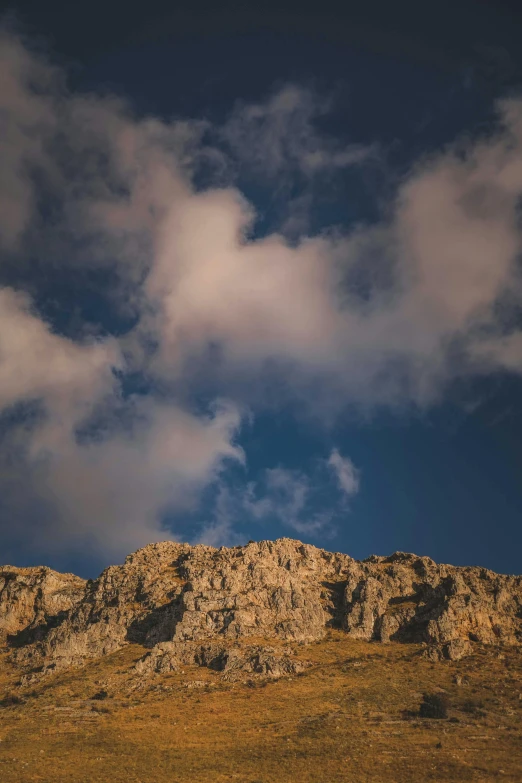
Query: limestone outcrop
{"points": [[233, 661], [34, 598], [172, 597]]}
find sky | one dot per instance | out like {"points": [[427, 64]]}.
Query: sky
{"points": [[260, 277]]}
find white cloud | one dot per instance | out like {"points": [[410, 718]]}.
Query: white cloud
{"points": [[37, 364], [384, 314], [109, 493], [141, 457], [113, 492], [345, 472]]}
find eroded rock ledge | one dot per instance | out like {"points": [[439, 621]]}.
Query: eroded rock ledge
{"points": [[176, 598]]}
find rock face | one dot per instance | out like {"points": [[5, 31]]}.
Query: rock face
{"points": [[32, 598], [234, 662], [191, 597]]}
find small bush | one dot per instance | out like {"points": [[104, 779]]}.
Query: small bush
{"points": [[434, 705], [11, 700], [100, 695], [474, 707], [101, 709]]}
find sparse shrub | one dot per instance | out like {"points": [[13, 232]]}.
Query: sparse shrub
{"points": [[100, 695], [11, 700], [434, 705], [101, 708], [474, 707]]}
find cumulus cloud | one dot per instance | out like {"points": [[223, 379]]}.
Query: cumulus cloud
{"points": [[85, 463], [385, 314], [37, 364], [113, 490]]}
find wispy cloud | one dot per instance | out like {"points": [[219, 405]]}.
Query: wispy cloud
{"points": [[279, 136], [345, 471], [293, 499]]}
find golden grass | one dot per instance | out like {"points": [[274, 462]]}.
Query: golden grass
{"points": [[342, 720]]}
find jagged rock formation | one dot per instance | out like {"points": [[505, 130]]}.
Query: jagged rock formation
{"points": [[283, 590], [30, 597]]}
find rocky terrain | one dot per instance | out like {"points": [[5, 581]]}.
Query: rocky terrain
{"points": [[32, 598], [268, 663], [207, 606]]}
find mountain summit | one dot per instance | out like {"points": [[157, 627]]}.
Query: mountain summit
{"points": [[193, 603]]}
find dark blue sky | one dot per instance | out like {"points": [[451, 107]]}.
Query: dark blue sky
{"points": [[444, 481]]}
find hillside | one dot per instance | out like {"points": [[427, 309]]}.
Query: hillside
{"points": [[275, 661]]}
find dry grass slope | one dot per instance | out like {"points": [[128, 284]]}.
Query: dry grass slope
{"points": [[352, 716]]}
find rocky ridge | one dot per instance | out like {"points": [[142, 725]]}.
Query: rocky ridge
{"points": [[32, 598], [198, 604]]}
